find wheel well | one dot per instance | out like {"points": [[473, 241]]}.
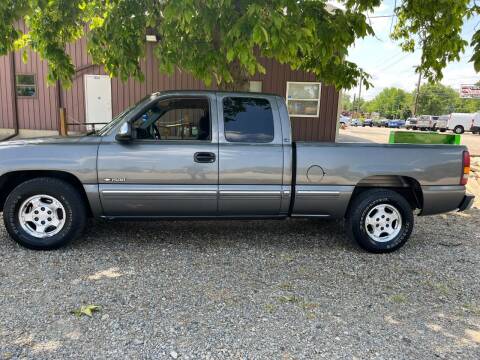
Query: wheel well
{"points": [[406, 186], [11, 180]]}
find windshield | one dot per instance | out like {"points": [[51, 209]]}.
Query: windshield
{"points": [[120, 117]]}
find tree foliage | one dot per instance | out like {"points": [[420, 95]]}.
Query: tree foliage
{"points": [[391, 103], [437, 99], [223, 41], [346, 102], [433, 99], [433, 26]]}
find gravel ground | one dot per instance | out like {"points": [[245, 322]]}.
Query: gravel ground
{"points": [[295, 289]]}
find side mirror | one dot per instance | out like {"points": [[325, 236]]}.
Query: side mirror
{"points": [[125, 132]]}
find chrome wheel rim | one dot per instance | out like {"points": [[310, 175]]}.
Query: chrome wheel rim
{"points": [[383, 223], [42, 216]]}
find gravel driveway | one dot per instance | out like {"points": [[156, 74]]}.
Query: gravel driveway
{"points": [[244, 290]]}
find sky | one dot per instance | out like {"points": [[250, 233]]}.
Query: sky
{"points": [[383, 59]]}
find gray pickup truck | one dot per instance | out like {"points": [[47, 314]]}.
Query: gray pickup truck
{"points": [[206, 154]]}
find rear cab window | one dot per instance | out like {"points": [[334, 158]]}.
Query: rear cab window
{"points": [[248, 120]]}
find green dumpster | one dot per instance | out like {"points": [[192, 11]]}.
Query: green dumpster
{"points": [[408, 137]]}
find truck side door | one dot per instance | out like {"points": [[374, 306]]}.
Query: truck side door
{"points": [[251, 156], [170, 168]]}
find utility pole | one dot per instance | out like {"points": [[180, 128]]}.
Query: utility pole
{"points": [[359, 93], [417, 94]]}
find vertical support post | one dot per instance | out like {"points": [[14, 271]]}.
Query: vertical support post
{"points": [[62, 122], [417, 94]]}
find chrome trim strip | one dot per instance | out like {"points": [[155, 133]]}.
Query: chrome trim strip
{"points": [[310, 215], [249, 192], [148, 192], [317, 192]]}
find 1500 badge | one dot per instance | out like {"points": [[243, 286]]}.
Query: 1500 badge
{"points": [[114, 180]]}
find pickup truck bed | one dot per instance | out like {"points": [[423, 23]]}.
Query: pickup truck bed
{"points": [[204, 154]]}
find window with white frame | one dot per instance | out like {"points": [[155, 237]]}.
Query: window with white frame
{"points": [[255, 86], [303, 98]]}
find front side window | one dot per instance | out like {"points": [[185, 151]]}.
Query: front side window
{"points": [[303, 99], [248, 120], [175, 119], [26, 85]]}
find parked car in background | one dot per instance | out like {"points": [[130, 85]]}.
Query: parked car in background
{"points": [[396, 123], [426, 122], [380, 122], [442, 123], [233, 158], [356, 122], [367, 122], [460, 122], [411, 123]]}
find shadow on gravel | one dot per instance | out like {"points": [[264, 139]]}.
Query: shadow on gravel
{"points": [[210, 234]]}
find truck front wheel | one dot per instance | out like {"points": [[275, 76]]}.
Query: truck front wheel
{"points": [[459, 129], [44, 213], [380, 220]]}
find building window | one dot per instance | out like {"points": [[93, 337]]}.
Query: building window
{"points": [[26, 85], [255, 86], [248, 120], [303, 99]]}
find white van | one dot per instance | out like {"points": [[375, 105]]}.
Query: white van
{"points": [[476, 124], [460, 122]]}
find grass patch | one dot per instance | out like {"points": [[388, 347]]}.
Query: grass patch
{"points": [[398, 298], [293, 299], [472, 308], [441, 288], [271, 308], [286, 286]]}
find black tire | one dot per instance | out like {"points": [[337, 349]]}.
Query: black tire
{"points": [[458, 130], [360, 208], [443, 130], [66, 194]]}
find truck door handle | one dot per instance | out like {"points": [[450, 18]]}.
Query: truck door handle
{"points": [[204, 157]]}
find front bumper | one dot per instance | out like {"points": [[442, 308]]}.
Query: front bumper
{"points": [[466, 203]]}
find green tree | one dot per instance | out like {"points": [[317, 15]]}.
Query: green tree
{"points": [[215, 40], [358, 104], [391, 103], [437, 99], [434, 26], [224, 40], [346, 102]]}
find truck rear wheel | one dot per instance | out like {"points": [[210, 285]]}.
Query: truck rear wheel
{"points": [[44, 213], [380, 220]]}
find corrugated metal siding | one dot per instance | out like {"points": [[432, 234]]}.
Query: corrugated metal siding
{"points": [[6, 96], [322, 128], [41, 112]]}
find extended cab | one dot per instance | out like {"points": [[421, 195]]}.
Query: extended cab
{"points": [[206, 154]]}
